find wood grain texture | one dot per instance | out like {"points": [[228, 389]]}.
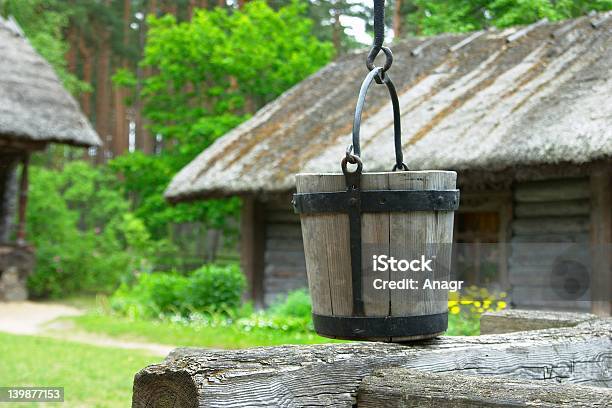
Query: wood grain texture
{"points": [[330, 374], [552, 190], [554, 208], [375, 236], [405, 388], [326, 240], [515, 320]]}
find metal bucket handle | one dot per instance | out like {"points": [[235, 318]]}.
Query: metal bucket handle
{"points": [[354, 151]]}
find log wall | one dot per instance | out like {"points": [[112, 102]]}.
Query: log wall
{"points": [[547, 213], [284, 262]]}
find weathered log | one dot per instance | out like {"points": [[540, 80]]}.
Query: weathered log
{"points": [[330, 374], [402, 388], [552, 209], [515, 320], [552, 190]]}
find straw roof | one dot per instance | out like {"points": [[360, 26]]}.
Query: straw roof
{"points": [[494, 100], [34, 106]]}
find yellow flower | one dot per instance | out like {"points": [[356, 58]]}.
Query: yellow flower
{"points": [[486, 304], [452, 303], [480, 310], [502, 294], [465, 302], [501, 305], [477, 304], [455, 310]]}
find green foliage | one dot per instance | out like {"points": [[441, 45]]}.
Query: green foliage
{"points": [[434, 17], [214, 288], [146, 178], [85, 237], [210, 74], [296, 304], [208, 290]]}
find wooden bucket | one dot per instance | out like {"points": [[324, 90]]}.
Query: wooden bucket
{"points": [[391, 314], [349, 220]]}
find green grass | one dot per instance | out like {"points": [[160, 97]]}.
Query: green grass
{"points": [[163, 332], [230, 337], [463, 325], [92, 376]]}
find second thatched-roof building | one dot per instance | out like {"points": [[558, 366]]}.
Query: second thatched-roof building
{"points": [[523, 115]]}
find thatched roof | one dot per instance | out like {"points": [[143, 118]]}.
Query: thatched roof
{"points": [[34, 106], [506, 98]]}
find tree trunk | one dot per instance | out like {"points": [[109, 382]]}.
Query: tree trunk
{"points": [[71, 54], [330, 374], [120, 134], [86, 54], [397, 19], [336, 29], [153, 7], [191, 8], [103, 95]]}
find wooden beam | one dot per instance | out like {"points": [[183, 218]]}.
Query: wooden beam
{"points": [[403, 388], [16, 145], [252, 247], [8, 195], [330, 374], [515, 320], [601, 240], [23, 200]]}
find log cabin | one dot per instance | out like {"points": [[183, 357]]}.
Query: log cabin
{"points": [[35, 110], [522, 114]]}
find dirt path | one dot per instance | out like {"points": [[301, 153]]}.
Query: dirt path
{"points": [[39, 319]]}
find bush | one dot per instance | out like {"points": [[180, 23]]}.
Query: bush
{"points": [[210, 289], [296, 304], [86, 238], [214, 288]]}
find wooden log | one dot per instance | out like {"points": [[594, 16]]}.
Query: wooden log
{"points": [[544, 254], [552, 190], [552, 209], [550, 225], [402, 388], [406, 235], [291, 244], [285, 216], [330, 374], [291, 231], [547, 297], [516, 320], [532, 275], [285, 258], [547, 237]]}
